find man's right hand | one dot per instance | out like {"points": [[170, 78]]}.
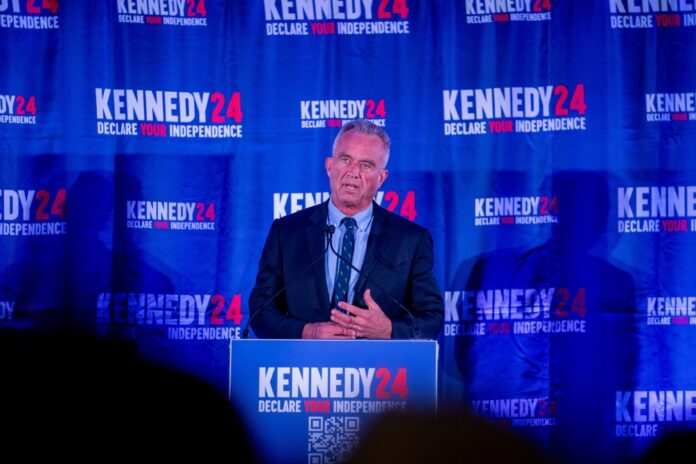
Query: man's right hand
{"points": [[327, 331]]}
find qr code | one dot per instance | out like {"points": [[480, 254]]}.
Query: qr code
{"points": [[332, 439]]}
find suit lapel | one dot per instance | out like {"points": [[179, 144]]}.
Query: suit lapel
{"points": [[380, 235], [316, 240]]}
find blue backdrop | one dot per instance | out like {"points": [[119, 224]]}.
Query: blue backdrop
{"points": [[146, 146]]}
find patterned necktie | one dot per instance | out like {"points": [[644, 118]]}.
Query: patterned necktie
{"points": [[343, 277]]}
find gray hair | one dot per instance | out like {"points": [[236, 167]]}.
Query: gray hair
{"points": [[363, 126]]}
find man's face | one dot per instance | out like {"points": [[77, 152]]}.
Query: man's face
{"points": [[356, 171]]}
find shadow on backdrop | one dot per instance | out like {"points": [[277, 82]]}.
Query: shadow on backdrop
{"points": [[571, 340], [104, 263]]}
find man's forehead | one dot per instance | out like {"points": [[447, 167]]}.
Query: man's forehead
{"points": [[370, 145]]}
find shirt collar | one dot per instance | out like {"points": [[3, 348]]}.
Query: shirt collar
{"points": [[362, 218]]}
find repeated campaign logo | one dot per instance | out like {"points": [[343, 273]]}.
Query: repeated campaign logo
{"points": [[163, 12], [401, 203], [497, 110], [170, 215], [643, 413], [497, 211], [332, 390], [331, 17], [648, 14], [334, 113], [32, 212], [517, 412], [29, 14], [671, 310], [175, 316], [676, 106], [652, 209], [486, 11], [519, 311], [162, 113], [17, 109]]}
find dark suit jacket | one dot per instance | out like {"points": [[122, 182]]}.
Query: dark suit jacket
{"points": [[399, 258]]}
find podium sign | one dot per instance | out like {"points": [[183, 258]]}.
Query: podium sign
{"points": [[309, 400]]}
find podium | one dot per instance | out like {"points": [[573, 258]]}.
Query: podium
{"points": [[310, 400]]}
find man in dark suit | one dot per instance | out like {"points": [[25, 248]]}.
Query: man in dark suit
{"points": [[394, 255]]}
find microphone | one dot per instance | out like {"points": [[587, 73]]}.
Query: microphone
{"points": [[329, 230], [414, 326]]}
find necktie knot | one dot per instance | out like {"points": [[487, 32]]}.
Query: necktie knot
{"points": [[349, 223]]}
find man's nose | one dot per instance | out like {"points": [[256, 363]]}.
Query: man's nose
{"points": [[354, 169]]}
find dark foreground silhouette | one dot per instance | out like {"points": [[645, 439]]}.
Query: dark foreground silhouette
{"points": [[68, 395], [454, 435]]}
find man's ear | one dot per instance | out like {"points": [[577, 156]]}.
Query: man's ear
{"points": [[383, 176]]}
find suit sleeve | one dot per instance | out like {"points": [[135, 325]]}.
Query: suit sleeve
{"points": [[424, 297], [269, 316]]}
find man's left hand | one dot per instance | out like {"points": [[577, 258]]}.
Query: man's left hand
{"points": [[365, 323]]}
